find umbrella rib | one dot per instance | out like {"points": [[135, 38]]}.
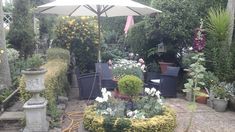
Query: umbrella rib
{"points": [[47, 9], [90, 8], [74, 10], [134, 10], [106, 8]]}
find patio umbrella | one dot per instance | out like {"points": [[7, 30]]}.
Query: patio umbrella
{"points": [[99, 8]]}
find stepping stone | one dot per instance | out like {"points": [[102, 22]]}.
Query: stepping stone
{"points": [[11, 116]]}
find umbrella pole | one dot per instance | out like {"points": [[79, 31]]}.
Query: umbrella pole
{"points": [[99, 45]]}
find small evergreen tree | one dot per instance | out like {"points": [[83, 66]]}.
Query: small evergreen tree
{"points": [[21, 34]]}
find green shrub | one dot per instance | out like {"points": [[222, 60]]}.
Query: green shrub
{"points": [[57, 53], [79, 36], [160, 123], [218, 51], [35, 62], [130, 85]]}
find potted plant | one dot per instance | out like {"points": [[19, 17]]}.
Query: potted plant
{"points": [[231, 90], [195, 80], [210, 81], [34, 77], [220, 100]]}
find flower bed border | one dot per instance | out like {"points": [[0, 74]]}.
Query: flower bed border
{"points": [[160, 123]]}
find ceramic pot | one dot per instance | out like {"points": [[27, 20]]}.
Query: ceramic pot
{"points": [[220, 105]]}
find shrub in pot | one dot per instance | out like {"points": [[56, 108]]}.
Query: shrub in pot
{"points": [[231, 90], [131, 86], [34, 76], [220, 100]]}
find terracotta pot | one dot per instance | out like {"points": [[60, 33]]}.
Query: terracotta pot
{"points": [[117, 94], [202, 99], [163, 66]]}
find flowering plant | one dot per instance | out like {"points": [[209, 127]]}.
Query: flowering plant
{"points": [[124, 67], [144, 107], [151, 104]]}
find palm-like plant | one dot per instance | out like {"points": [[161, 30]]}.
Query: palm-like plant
{"points": [[218, 24]]}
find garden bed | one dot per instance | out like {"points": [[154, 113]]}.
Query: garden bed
{"points": [[161, 123]]}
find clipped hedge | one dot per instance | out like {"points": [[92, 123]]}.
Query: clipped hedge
{"points": [[57, 53], [159, 123]]}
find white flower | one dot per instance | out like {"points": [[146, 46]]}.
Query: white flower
{"points": [[152, 91], [136, 111], [103, 90], [147, 90], [158, 94], [109, 110], [130, 114], [105, 98], [109, 93], [99, 99]]}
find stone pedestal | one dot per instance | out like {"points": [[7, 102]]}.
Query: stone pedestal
{"points": [[36, 117]]}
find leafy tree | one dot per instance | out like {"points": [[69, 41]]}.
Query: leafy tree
{"points": [[5, 77], [81, 38], [21, 34]]}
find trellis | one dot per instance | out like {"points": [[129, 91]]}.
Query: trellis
{"points": [[7, 18]]}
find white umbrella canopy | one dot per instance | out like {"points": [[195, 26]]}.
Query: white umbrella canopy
{"points": [[104, 8]]}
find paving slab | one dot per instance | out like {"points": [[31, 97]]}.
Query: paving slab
{"points": [[8, 116]]}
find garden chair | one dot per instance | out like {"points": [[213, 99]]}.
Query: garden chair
{"points": [[166, 82], [88, 85], [106, 76]]}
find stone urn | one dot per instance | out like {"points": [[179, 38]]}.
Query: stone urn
{"points": [[35, 108], [35, 84]]}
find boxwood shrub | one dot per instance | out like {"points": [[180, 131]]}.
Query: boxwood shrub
{"points": [[159, 123], [130, 85]]}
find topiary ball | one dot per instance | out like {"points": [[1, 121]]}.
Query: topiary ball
{"points": [[130, 85]]}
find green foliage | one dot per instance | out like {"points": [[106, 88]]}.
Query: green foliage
{"points": [[108, 123], [195, 81], [220, 92], [136, 38], [175, 25], [153, 67], [210, 80], [218, 52], [5, 93], [79, 35], [160, 123], [130, 85], [35, 62], [57, 53], [187, 59], [218, 24], [110, 24], [113, 53], [123, 124], [21, 34], [150, 106]]}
